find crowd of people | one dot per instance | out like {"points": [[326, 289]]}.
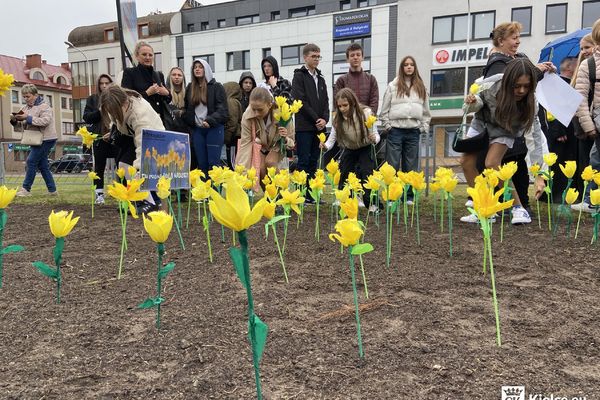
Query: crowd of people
{"points": [[241, 116]]}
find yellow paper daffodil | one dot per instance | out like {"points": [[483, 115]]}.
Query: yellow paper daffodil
{"points": [[448, 183], [296, 106], [6, 81], [569, 168], [507, 171], [201, 191], [535, 169], [595, 197], [485, 202], [354, 183], [370, 121], [163, 187], [317, 183], [121, 173], [93, 176], [393, 192], [195, 176], [131, 171], [350, 207], [336, 178], [87, 138], [572, 195], [319, 173], [271, 191], [6, 196], [240, 169], [322, 137], [474, 88], [280, 101], [442, 172], [282, 179], [550, 159], [416, 180], [128, 193], [349, 232], [158, 225], [234, 210], [435, 186], [291, 199], [299, 177], [373, 182], [332, 167], [269, 211], [388, 173], [61, 223], [588, 173], [550, 117], [491, 176], [342, 195]]}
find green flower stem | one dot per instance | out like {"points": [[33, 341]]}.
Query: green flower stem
{"points": [[317, 232], [207, 229], [442, 216], [93, 198], [494, 297], [585, 183], [160, 248], [123, 240], [233, 237], [285, 226], [59, 244], [176, 223], [416, 206], [435, 207], [450, 221], [356, 310], [179, 217], [244, 247], [550, 202], [405, 207], [2, 225], [377, 214], [388, 234], [187, 218], [280, 253], [537, 204], [505, 186], [364, 276]]}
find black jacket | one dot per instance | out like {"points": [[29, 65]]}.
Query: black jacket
{"points": [[313, 106], [140, 78], [497, 62], [283, 86], [216, 104], [92, 115]]}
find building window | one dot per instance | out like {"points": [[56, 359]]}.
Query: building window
{"points": [[302, 11], [94, 70], [67, 128], [109, 35], [345, 5], [110, 66], [523, 16], [180, 62], [209, 58], [61, 80], [290, 55], [591, 12], [453, 28], [340, 46], [450, 82], [37, 76], [247, 20], [190, 27], [238, 60], [158, 61], [64, 104], [367, 3], [275, 15], [15, 96], [266, 52], [556, 18], [78, 107], [143, 30], [70, 103], [221, 23], [48, 99], [246, 59], [204, 26], [230, 61], [79, 73]]}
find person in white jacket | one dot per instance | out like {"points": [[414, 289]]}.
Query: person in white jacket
{"points": [[405, 115]]}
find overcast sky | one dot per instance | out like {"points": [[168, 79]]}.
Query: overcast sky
{"points": [[41, 26]]}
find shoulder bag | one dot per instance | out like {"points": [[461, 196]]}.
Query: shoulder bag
{"points": [[32, 136], [463, 144]]}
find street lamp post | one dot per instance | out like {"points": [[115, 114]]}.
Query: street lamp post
{"points": [[88, 71]]}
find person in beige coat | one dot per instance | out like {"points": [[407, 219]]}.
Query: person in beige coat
{"points": [[259, 127], [36, 115]]}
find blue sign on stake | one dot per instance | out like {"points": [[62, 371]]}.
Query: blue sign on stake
{"points": [[363, 28]]}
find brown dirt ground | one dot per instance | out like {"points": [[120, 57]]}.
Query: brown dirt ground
{"points": [[428, 327]]}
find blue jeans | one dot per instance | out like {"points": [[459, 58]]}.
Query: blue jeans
{"points": [[307, 148], [208, 143], [402, 149], [595, 163], [38, 159]]}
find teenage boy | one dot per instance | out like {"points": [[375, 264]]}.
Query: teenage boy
{"points": [[309, 86], [363, 84]]}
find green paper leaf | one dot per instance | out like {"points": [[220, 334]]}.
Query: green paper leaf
{"points": [[237, 257], [361, 248], [205, 222], [165, 270], [13, 248], [3, 218], [394, 207], [276, 219], [260, 334], [45, 269], [151, 302]]}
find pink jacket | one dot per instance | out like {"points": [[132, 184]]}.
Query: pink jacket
{"points": [[39, 117], [582, 85]]}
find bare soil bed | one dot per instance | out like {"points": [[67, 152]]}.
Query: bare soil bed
{"points": [[428, 326]]}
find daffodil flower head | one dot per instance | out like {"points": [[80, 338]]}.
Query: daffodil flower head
{"points": [[128, 193], [61, 223], [393, 191], [370, 121], [569, 168], [348, 233], [336, 178], [491, 175], [534, 169], [486, 203], [350, 207], [201, 191], [319, 173], [131, 171], [342, 195], [6, 196], [572, 195], [416, 180], [299, 177], [234, 210], [121, 173], [271, 191], [474, 89], [251, 174], [595, 197], [296, 106], [195, 176], [435, 186], [354, 183], [317, 183], [588, 173], [271, 171], [163, 187], [507, 170], [550, 117], [87, 138], [158, 225], [322, 137], [280, 101], [240, 169], [269, 211], [550, 159], [282, 179], [6, 81], [372, 183], [448, 183], [291, 199], [332, 167], [388, 173], [442, 172]]}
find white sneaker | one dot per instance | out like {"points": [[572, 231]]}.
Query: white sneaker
{"points": [[472, 219], [55, 193], [583, 206], [361, 203], [409, 202], [336, 203], [22, 192], [99, 199], [469, 203], [520, 216], [373, 209]]}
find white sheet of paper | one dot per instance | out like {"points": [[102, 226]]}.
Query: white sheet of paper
{"points": [[558, 97]]}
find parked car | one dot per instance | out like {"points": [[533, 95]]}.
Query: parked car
{"points": [[72, 163]]}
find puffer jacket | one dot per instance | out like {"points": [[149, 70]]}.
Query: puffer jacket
{"points": [[39, 117], [232, 126], [404, 112], [582, 85]]}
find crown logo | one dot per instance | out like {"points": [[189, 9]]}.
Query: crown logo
{"points": [[513, 391]]}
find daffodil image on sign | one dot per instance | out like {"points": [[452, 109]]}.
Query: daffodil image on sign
{"points": [[158, 225], [92, 176], [505, 174], [87, 138], [61, 224], [163, 190], [587, 176], [349, 231], [486, 203], [6, 197], [234, 212]]}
